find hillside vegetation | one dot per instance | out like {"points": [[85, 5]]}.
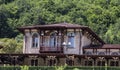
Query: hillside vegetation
{"points": [[102, 16]]}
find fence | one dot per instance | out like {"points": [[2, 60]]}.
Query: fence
{"points": [[57, 68]]}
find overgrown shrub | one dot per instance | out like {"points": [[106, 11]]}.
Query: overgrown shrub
{"points": [[24, 67]]}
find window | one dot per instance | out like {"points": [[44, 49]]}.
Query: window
{"points": [[53, 39], [51, 62], [26, 39], [69, 62], [34, 62], [101, 63], [71, 39], [114, 63], [35, 40], [88, 62]]}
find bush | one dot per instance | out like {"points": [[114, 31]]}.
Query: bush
{"points": [[24, 67], [10, 68]]}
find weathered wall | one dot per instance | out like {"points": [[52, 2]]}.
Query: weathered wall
{"points": [[28, 43], [76, 48], [85, 41]]}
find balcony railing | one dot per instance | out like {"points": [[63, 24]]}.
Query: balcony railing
{"points": [[51, 49]]}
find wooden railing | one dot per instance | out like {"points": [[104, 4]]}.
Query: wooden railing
{"points": [[51, 49]]}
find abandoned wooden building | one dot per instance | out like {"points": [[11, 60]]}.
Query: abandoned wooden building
{"points": [[63, 43]]}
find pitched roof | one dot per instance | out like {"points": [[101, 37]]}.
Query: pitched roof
{"points": [[66, 25], [58, 25], [105, 46]]}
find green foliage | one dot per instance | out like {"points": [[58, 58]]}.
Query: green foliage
{"points": [[60, 67], [11, 45], [24, 67], [100, 15], [113, 33], [76, 69], [10, 68]]}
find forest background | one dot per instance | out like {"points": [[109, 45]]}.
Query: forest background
{"points": [[102, 16]]}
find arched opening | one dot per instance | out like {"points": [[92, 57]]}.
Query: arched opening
{"points": [[101, 61], [114, 61], [35, 40], [88, 61], [53, 39], [34, 62], [51, 60], [71, 39], [114, 53], [101, 53], [70, 60]]}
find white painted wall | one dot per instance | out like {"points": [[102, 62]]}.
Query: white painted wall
{"points": [[76, 50]]}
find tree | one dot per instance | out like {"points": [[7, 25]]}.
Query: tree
{"points": [[99, 15], [113, 34], [11, 46]]}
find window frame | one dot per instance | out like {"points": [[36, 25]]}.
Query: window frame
{"points": [[35, 40], [34, 62], [71, 36], [53, 43]]}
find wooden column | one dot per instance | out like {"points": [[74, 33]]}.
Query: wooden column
{"points": [[80, 42]]}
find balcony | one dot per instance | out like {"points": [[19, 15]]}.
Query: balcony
{"points": [[51, 49]]}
